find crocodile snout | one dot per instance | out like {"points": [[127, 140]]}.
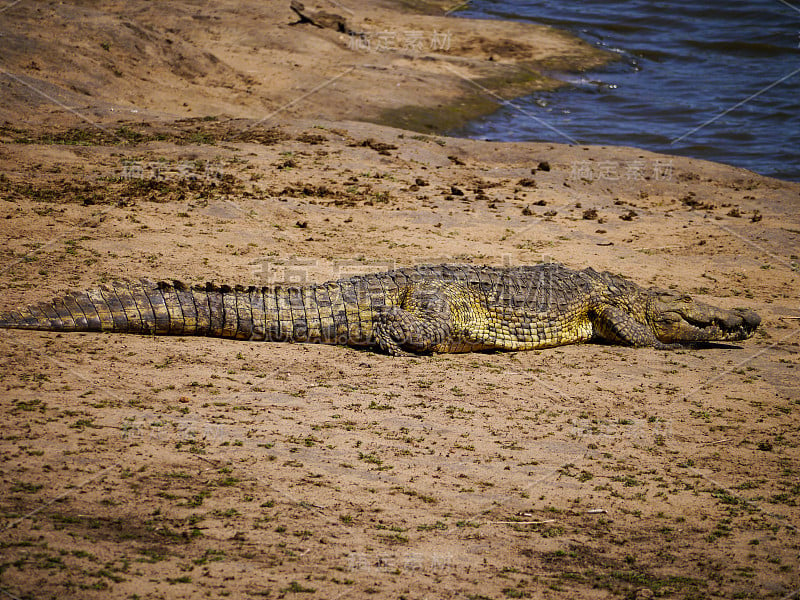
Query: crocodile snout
{"points": [[746, 317], [750, 317], [738, 318]]}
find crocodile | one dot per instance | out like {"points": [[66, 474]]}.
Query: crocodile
{"points": [[420, 310]]}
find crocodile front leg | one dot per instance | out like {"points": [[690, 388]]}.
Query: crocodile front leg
{"points": [[615, 325]]}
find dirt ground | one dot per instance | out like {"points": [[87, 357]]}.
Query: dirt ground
{"points": [[114, 60], [178, 467]]}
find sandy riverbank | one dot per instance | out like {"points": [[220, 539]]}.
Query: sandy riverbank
{"points": [[182, 467], [257, 60]]}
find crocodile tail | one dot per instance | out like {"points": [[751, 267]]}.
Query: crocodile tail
{"points": [[144, 306]]}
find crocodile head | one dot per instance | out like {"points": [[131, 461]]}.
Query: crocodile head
{"points": [[678, 318]]}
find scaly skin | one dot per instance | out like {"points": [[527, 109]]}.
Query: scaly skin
{"points": [[444, 308]]}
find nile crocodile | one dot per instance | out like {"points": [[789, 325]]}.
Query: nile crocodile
{"points": [[442, 308]]}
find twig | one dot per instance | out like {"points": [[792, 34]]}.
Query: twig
{"points": [[523, 522]]}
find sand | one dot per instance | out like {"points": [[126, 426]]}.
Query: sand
{"points": [[178, 467]]}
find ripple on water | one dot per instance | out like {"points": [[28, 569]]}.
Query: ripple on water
{"points": [[693, 80]]}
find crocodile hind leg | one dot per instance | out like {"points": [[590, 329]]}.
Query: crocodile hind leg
{"points": [[404, 333], [420, 324], [433, 317]]}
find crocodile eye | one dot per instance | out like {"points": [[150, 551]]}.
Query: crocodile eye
{"points": [[686, 299]]}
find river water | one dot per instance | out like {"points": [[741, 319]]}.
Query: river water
{"points": [[712, 80]]}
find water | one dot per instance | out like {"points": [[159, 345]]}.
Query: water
{"points": [[718, 81]]}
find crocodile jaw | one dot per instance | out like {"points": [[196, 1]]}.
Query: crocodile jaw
{"points": [[680, 319]]}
